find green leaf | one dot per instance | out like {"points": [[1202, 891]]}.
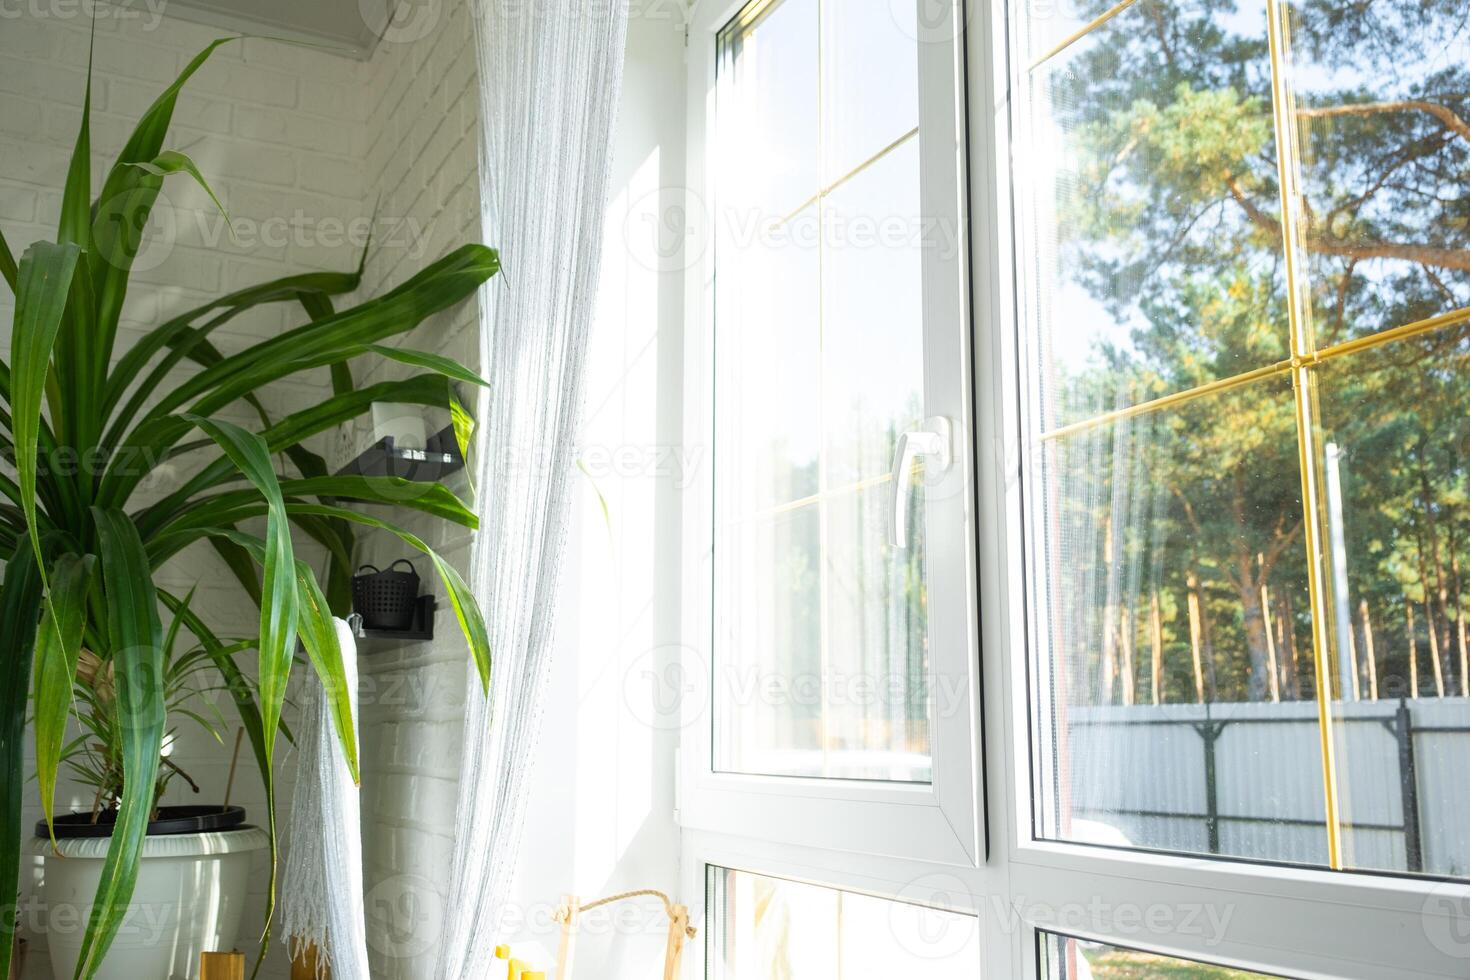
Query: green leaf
{"points": [[466, 611], [429, 498], [279, 610], [179, 332], [20, 598], [434, 362], [7, 264], [46, 272], [436, 288], [123, 206], [324, 649], [135, 636], [57, 650], [171, 162]]}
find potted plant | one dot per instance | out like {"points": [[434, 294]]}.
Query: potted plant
{"points": [[194, 876], [89, 421]]}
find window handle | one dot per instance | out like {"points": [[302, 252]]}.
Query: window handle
{"points": [[934, 441]]}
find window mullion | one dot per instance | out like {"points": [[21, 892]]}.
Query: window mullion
{"points": [[1308, 425]]}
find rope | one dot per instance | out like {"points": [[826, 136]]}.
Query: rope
{"points": [[564, 914]]}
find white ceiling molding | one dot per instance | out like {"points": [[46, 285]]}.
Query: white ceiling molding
{"points": [[346, 27]]}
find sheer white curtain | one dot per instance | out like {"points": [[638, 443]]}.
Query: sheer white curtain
{"points": [[550, 77]]}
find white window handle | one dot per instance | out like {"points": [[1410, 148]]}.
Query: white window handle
{"points": [[934, 440]]}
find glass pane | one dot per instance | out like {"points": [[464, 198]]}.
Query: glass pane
{"points": [[1383, 106], [769, 644], [819, 366], [877, 706], [768, 111], [1396, 424], [1173, 646], [865, 108], [768, 420], [1149, 170], [872, 318], [1064, 958], [772, 929]]}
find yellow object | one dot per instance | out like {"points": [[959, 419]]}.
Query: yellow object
{"points": [[517, 970], [502, 952], [533, 975], [222, 966]]}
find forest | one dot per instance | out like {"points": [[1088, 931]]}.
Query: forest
{"points": [[1173, 537]]}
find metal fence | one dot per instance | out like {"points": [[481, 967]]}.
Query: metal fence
{"points": [[1245, 780]]}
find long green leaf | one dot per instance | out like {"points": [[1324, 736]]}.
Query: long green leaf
{"points": [[171, 162], [20, 598], [319, 636], [46, 272], [57, 650], [123, 207], [466, 611], [429, 498], [434, 362], [436, 288], [7, 265], [279, 610], [324, 649], [178, 332], [135, 636]]}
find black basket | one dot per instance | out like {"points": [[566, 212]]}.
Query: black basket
{"points": [[385, 600]]}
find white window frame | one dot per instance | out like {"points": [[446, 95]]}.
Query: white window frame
{"points": [[938, 821], [1297, 922]]}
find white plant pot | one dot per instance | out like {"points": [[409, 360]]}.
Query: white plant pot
{"points": [[189, 899]]}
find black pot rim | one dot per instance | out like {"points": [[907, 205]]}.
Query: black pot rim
{"points": [[172, 821]]}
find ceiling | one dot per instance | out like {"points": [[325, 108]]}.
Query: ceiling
{"points": [[353, 27]]}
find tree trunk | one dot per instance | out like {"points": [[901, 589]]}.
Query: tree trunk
{"points": [[1434, 650], [1125, 647], [1368, 648], [1109, 633], [1413, 648], [1459, 612], [1293, 658], [1270, 645], [1156, 641], [1194, 638], [1250, 577]]}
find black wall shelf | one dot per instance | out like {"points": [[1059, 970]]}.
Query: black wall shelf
{"points": [[434, 462], [421, 629]]}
